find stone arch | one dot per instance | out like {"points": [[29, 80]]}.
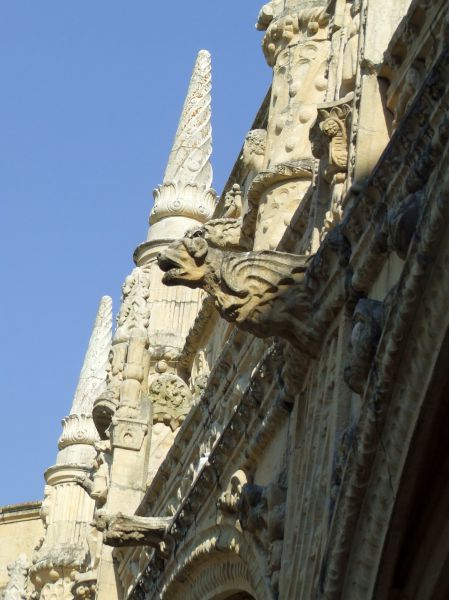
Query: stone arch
{"points": [[220, 563]]}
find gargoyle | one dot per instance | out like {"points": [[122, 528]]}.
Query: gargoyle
{"points": [[129, 530], [265, 293]]}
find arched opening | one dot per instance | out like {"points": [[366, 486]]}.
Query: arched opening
{"points": [[416, 554], [235, 596]]}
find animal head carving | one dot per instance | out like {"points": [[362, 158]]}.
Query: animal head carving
{"points": [[183, 262]]}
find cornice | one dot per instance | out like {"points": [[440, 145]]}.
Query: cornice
{"points": [[26, 511]]}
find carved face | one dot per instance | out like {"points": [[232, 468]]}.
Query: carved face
{"points": [[184, 260]]}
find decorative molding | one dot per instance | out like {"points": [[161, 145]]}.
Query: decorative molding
{"points": [[176, 199], [418, 147]]}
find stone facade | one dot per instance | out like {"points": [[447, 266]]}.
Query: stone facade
{"points": [[268, 418]]}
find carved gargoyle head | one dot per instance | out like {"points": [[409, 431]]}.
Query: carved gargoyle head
{"points": [[183, 262]]}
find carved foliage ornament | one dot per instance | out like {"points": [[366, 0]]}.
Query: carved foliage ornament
{"points": [[290, 29], [171, 400], [333, 124], [134, 314], [16, 588], [183, 199], [78, 429]]}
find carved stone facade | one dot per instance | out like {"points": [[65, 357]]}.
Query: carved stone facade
{"points": [[272, 411]]}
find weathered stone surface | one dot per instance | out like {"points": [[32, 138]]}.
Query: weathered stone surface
{"points": [[292, 443], [123, 530]]}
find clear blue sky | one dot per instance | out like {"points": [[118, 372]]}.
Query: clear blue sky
{"points": [[91, 94]]}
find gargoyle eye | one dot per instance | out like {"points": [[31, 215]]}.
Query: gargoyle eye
{"points": [[197, 234]]}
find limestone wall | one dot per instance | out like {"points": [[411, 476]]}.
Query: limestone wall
{"points": [[20, 530]]}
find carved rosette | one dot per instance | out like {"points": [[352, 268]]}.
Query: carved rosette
{"points": [[171, 400]]}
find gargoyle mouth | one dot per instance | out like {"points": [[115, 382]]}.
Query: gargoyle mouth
{"points": [[170, 266]]}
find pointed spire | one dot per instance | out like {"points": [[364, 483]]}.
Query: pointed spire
{"points": [[186, 196], [189, 160], [93, 373], [78, 427]]}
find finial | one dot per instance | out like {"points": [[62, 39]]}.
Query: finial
{"points": [[186, 191]]}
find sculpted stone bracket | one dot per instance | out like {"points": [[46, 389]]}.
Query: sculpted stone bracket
{"points": [[261, 512], [123, 530]]}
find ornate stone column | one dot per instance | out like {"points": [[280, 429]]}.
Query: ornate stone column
{"points": [[296, 46], [146, 400], [185, 199], [67, 508]]}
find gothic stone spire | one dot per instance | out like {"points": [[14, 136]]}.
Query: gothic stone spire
{"points": [[186, 191], [78, 427]]}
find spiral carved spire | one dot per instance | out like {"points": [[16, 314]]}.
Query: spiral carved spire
{"points": [[189, 160], [93, 373], [186, 191], [78, 427]]}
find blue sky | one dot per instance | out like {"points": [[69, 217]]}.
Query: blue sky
{"points": [[92, 93]]}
